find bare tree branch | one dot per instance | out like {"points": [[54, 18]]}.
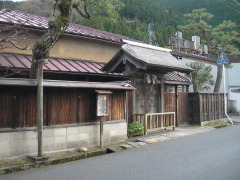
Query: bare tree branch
{"points": [[12, 36], [55, 29], [84, 14], [9, 71]]}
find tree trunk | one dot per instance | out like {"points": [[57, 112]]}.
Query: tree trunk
{"points": [[49, 39], [219, 79], [194, 81]]}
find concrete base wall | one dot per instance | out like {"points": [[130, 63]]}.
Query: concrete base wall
{"points": [[63, 138]]}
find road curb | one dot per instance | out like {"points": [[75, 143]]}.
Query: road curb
{"points": [[38, 164], [111, 149]]}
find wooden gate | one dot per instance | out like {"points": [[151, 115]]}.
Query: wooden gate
{"points": [[177, 104], [183, 108], [169, 102]]}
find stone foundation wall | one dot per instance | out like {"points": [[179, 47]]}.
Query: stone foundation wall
{"points": [[61, 138]]}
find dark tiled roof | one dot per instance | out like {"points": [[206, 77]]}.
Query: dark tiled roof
{"points": [[20, 61], [175, 76], [40, 22]]}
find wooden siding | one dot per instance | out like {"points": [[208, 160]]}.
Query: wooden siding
{"points": [[61, 106], [17, 107], [117, 106]]}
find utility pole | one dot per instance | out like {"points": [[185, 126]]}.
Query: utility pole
{"points": [[222, 60], [151, 36], [40, 106]]}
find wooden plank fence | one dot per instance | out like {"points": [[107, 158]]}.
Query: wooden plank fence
{"points": [[205, 107]]}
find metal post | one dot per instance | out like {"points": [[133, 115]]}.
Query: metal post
{"points": [[225, 97], [40, 108]]}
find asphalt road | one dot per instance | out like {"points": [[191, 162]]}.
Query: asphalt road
{"points": [[213, 155]]}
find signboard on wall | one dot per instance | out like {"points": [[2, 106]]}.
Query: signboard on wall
{"points": [[103, 102], [102, 105]]}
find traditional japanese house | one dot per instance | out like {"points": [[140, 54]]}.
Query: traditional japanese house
{"points": [[72, 78], [148, 68]]}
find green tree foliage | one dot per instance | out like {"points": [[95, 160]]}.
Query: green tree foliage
{"points": [[38, 7], [130, 19], [10, 4], [201, 77], [222, 37], [217, 7], [149, 11]]}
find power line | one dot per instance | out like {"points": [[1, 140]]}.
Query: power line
{"points": [[225, 3], [236, 2], [183, 22]]}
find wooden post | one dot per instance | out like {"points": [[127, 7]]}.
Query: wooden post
{"points": [[174, 119], [145, 125], [126, 107], [40, 108], [162, 95], [159, 99], [199, 108], [176, 104], [102, 109], [101, 131], [134, 96]]}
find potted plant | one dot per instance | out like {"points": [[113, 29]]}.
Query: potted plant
{"points": [[135, 129]]}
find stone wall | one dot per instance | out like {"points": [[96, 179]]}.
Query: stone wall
{"points": [[24, 142]]}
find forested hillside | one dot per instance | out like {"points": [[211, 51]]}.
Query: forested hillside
{"points": [[219, 8], [134, 17]]}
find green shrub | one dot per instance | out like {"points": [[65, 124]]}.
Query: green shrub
{"points": [[135, 127]]}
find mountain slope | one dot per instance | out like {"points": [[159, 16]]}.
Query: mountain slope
{"points": [[135, 16], [218, 8]]}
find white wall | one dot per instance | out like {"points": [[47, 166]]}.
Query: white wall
{"points": [[214, 73], [20, 143], [235, 96]]}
